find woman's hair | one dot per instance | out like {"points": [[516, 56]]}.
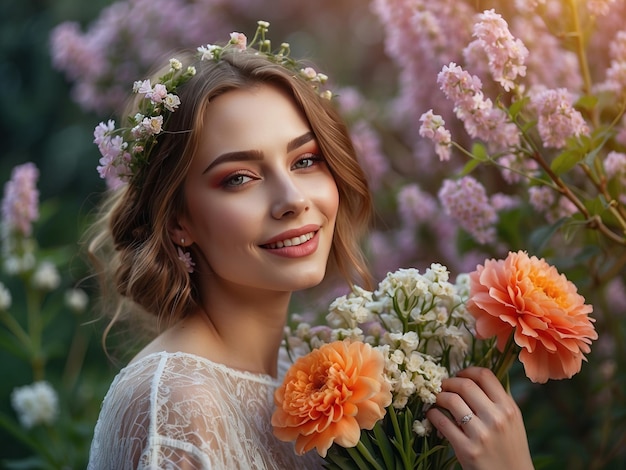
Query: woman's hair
{"points": [[130, 246]]}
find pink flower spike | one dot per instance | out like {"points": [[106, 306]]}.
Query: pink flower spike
{"points": [[20, 206]]}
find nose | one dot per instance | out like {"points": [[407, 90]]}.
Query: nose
{"points": [[289, 200]]}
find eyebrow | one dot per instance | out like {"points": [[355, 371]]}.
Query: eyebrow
{"points": [[253, 155]]}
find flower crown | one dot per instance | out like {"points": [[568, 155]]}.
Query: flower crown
{"points": [[126, 150]]}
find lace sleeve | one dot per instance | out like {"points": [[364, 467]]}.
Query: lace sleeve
{"points": [[183, 412]]}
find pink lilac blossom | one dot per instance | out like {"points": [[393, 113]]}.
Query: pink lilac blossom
{"points": [[433, 128], [548, 63], [350, 100], [515, 167], [20, 205], [467, 202], [541, 198], [504, 202], [481, 119], [420, 36], [385, 257], [505, 53], [599, 7], [557, 118], [125, 40], [415, 206], [544, 200], [615, 165], [368, 149], [615, 80]]}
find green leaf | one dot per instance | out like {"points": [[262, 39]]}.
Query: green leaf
{"points": [[385, 447], [479, 152], [540, 237], [566, 160], [586, 102], [516, 107], [470, 166]]}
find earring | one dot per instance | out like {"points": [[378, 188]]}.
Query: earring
{"points": [[185, 257]]}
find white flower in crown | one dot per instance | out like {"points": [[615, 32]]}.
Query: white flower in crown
{"points": [[125, 150]]}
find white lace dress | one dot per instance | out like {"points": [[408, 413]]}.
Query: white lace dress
{"points": [[180, 411]]}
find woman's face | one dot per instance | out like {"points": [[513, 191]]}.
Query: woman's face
{"points": [[261, 201]]}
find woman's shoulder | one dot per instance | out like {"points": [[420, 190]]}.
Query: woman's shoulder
{"points": [[181, 376]]}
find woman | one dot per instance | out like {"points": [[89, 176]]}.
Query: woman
{"points": [[242, 190]]}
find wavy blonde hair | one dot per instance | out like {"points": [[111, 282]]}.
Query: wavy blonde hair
{"points": [[129, 245]]}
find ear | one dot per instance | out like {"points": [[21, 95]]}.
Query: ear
{"points": [[178, 233]]}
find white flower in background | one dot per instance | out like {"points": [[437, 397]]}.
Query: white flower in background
{"points": [[46, 276], [37, 403], [76, 300], [5, 297]]}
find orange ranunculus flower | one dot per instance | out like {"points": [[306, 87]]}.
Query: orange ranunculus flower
{"points": [[549, 318], [329, 395]]}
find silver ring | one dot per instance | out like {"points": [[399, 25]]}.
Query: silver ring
{"points": [[466, 419]]}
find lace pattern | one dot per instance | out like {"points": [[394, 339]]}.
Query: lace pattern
{"points": [[180, 411]]}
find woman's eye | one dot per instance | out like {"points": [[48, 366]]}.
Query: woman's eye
{"points": [[235, 181], [308, 161]]}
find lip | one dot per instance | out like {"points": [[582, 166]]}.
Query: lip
{"points": [[293, 233], [304, 248]]}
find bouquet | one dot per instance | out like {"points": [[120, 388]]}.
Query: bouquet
{"points": [[361, 383]]}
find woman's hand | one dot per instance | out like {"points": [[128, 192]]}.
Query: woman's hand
{"points": [[489, 430]]}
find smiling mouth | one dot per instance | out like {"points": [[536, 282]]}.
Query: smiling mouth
{"points": [[295, 241]]}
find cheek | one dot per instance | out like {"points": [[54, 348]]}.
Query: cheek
{"points": [[330, 200]]}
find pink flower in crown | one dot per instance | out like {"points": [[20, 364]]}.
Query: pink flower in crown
{"points": [[309, 73], [20, 206], [239, 40], [144, 87], [158, 94]]}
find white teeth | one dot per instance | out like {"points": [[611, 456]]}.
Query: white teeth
{"points": [[295, 241]]}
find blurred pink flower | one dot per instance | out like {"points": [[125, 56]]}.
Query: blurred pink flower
{"points": [[557, 118], [467, 202], [20, 206], [368, 148]]}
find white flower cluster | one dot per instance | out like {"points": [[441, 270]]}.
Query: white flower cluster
{"points": [[419, 322], [35, 404]]}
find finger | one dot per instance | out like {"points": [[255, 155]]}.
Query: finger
{"points": [[487, 381], [456, 406], [468, 392], [448, 428]]}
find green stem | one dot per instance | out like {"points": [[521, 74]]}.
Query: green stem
{"points": [[506, 359], [365, 453], [14, 327], [33, 309]]}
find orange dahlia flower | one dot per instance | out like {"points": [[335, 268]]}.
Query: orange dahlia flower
{"points": [[527, 296], [329, 395]]}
